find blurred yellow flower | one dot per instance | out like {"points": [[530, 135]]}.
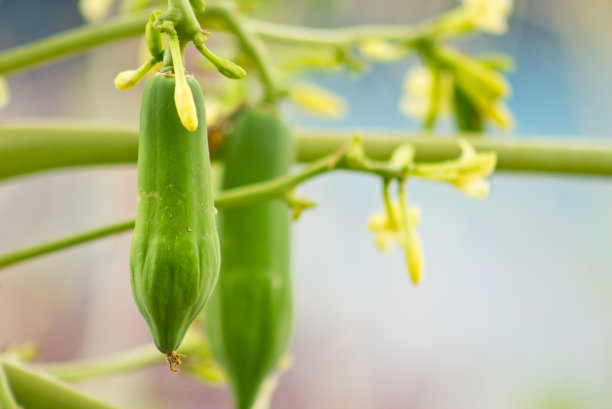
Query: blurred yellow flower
{"points": [[94, 10], [389, 228], [318, 100], [490, 16], [384, 51], [468, 173], [416, 101]]}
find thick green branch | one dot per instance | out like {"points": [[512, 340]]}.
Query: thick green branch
{"points": [[31, 148], [26, 149], [36, 390], [524, 154]]}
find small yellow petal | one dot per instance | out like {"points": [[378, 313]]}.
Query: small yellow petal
{"points": [[377, 222], [185, 105], [478, 189], [384, 242], [414, 258]]}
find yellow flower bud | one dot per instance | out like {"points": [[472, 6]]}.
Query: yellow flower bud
{"points": [[185, 105], [183, 98], [126, 79], [414, 257]]}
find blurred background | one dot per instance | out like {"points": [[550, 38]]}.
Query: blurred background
{"points": [[514, 308]]}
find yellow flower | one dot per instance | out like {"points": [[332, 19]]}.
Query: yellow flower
{"points": [[183, 98], [318, 100], [126, 80], [472, 169], [94, 10], [417, 96], [490, 16], [185, 105], [414, 258], [384, 51], [468, 173], [389, 228]]}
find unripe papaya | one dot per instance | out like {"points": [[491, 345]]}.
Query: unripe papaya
{"points": [[250, 314], [174, 258]]}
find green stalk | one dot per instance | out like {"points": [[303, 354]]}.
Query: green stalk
{"points": [[126, 361], [66, 242], [26, 149], [258, 51], [34, 390], [72, 42], [571, 158], [525, 154], [31, 148]]}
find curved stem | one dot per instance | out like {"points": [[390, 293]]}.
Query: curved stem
{"points": [[258, 51], [37, 390], [131, 360]]}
